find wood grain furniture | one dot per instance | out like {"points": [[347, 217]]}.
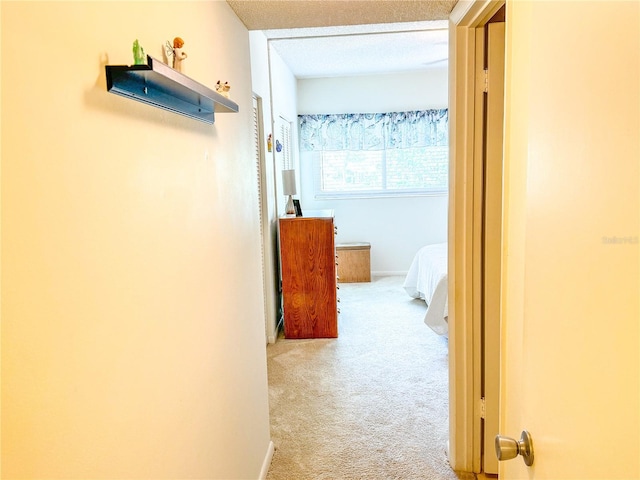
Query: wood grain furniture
{"points": [[354, 262], [308, 269]]}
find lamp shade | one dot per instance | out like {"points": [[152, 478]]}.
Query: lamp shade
{"points": [[289, 182]]}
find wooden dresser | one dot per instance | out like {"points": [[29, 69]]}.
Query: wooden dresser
{"points": [[309, 282]]}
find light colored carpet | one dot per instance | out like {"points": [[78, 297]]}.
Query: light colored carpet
{"points": [[371, 404]]}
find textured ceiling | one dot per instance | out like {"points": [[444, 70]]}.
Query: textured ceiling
{"points": [[339, 52], [266, 14], [343, 38]]}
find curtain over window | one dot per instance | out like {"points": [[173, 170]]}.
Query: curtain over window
{"points": [[374, 131], [374, 154]]}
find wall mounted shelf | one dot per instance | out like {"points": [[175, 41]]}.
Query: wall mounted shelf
{"points": [[160, 85]]}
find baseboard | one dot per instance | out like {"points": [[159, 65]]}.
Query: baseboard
{"points": [[267, 461], [385, 273], [274, 336]]}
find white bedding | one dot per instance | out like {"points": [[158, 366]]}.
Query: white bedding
{"points": [[427, 279]]}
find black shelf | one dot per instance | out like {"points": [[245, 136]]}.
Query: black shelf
{"points": [[159, 85]]}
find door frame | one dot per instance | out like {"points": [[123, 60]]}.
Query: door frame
{"points": [[465, 361], [266, 242]]}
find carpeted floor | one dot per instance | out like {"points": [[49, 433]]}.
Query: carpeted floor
{"points": [[371, 404]]}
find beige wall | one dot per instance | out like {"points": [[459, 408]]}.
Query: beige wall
{"points": [[132, 304]]}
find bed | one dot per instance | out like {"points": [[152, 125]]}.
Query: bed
{"points": [[427, 280]]}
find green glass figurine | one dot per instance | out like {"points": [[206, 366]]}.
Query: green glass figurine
{"points": [[139, 58]]}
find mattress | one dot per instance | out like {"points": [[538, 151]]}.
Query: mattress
{"points": [[427, 280]]}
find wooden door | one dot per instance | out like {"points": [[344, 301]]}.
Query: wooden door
{"points": [[570, 363]]}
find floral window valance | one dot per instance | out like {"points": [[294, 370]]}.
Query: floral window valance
{"points": [[374, 131]]}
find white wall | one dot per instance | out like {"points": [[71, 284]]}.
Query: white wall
{"points": [[130, 346], [284, 91], [274, 83], [395, 227], [262, 89]]}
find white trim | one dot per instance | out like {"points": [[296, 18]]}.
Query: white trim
{"points": [[474, 13], [267, 461], [381, 194], [464, 438], [276, 331], [461, 115], [389, 273], [460, 11]]}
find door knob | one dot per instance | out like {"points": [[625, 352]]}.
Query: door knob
{"points": [[508, 448]]}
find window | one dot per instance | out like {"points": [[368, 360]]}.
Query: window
{"points": [[383, 154]]}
